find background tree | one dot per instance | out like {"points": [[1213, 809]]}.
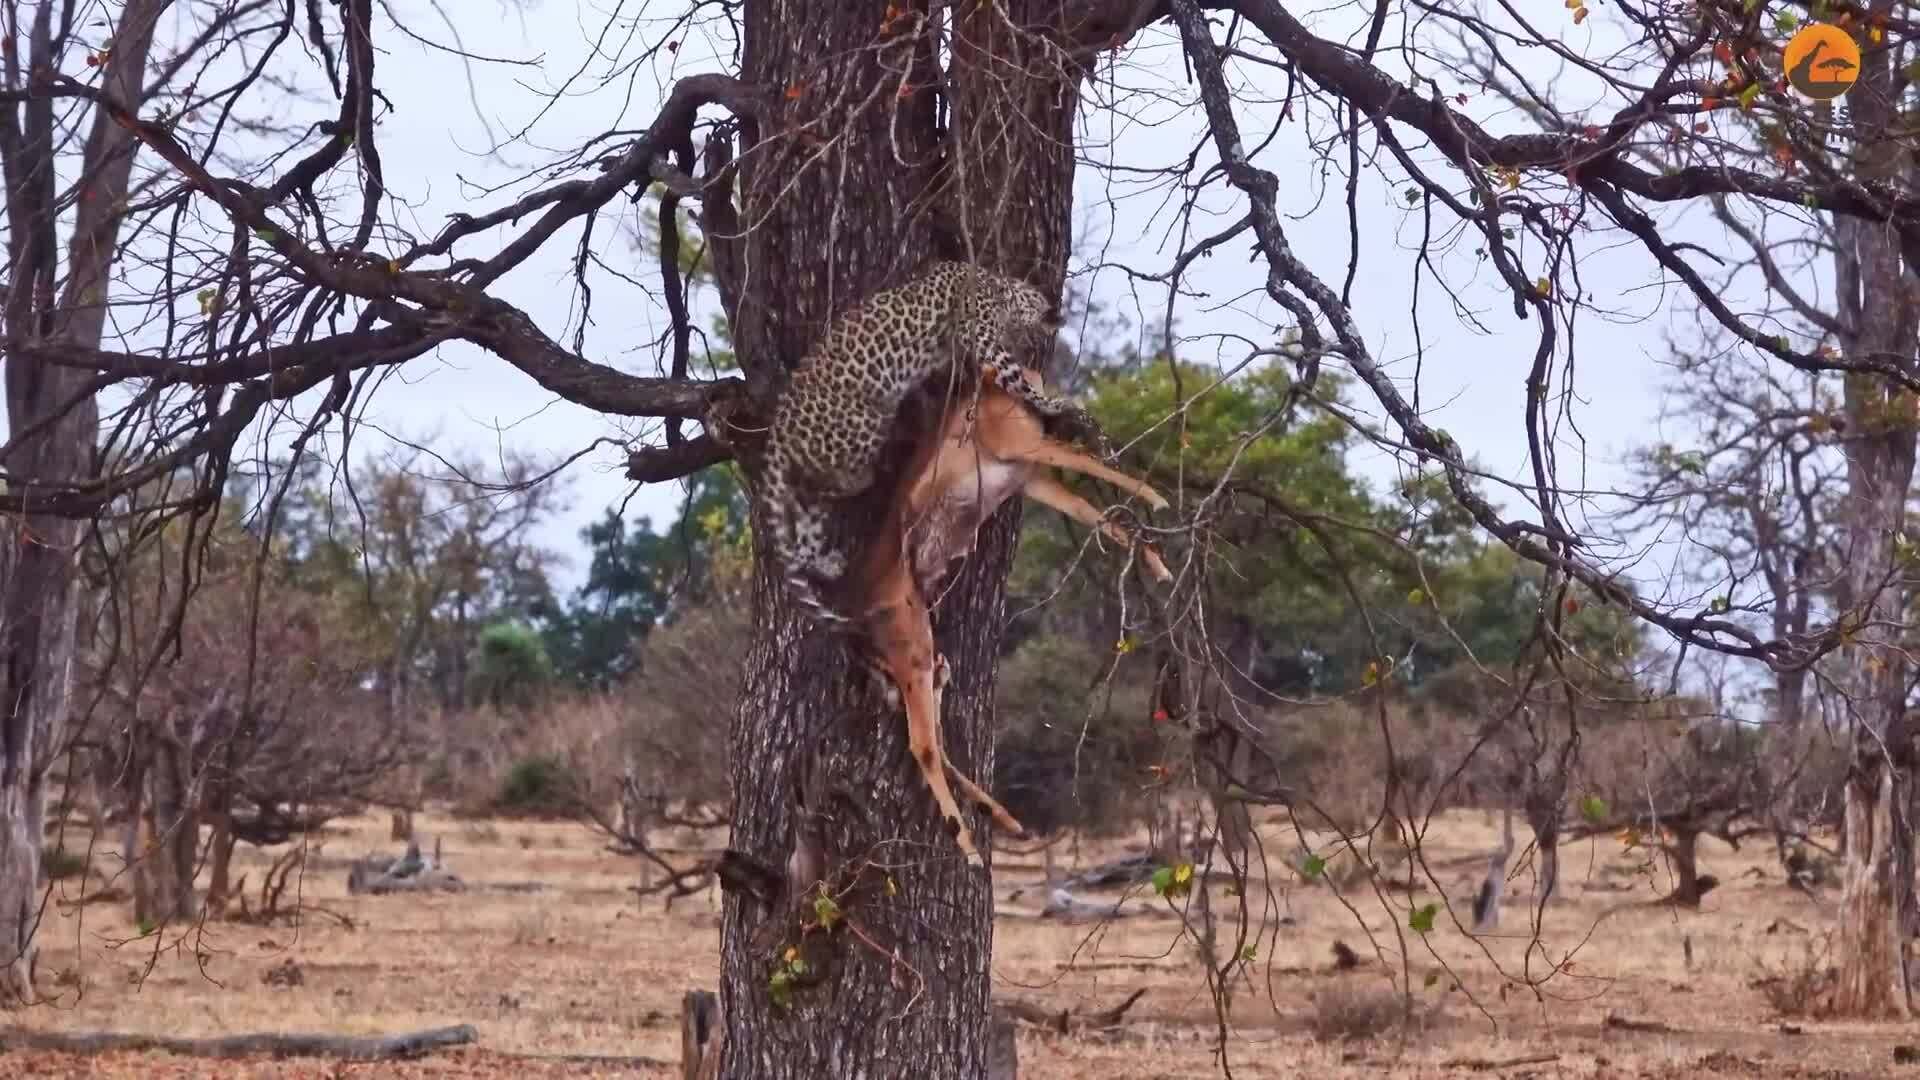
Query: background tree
{"points": [[239, 708], [637, 578], [55, 303], [433, 561]]}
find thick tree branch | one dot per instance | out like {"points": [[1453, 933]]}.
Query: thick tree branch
{"points": [[466, 310], [657, 464]]}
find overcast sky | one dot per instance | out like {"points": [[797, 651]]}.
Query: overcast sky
{"points": [[438, 146]]}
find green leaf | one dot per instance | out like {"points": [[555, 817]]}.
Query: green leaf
{"points": [[1749, 96], [265, 236], [1720, 604], [1785, 22], [1416, 596], [1421, 920], [1594, 809], [1248, 953], [1432, 977], [780, 989], [1783, 344], [825, 911], [1412, 195], [1163, 880], [1506, 233], [1312, 867]]}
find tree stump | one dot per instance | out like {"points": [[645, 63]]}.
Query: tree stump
{"points": [[699, 1036]]}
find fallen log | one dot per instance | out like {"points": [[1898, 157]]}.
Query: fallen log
{"points": [[1626, 1023], [1493, 1064], [1131, 870], [425, 881], [264, 1044], [1064, 1021]]}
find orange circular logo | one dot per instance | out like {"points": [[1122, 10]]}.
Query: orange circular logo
{"points": [[1822, 61]]}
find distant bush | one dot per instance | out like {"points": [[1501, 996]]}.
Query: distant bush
{"points": [[60, 863], [539, 785], [510, 666], [1071, 755], [1354, 1013]]}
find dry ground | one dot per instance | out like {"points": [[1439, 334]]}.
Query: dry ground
{"points": [[554, 979]]}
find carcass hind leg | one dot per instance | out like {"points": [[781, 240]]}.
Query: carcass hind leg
{"points": [[973, 791], [985, 801], [902, 637]]}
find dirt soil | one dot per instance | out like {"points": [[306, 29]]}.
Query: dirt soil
{"points": [[584, 979]]}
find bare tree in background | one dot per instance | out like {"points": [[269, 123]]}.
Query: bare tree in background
{"points": [[261, 734], [1840, 279], [54, 304]]}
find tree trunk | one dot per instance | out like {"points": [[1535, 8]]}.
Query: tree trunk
{"points": [[217, 809], [54, 422], [900, 987], [1685, 853], [1877, 302], [166, 835]]}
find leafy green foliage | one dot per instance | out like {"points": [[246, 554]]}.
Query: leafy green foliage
{"points": [[422, 565], [1420, 920], [790, 968], [826, 910], [1173, 882], [537, 785], [510, 665], [1306, 538], [638, 578]]}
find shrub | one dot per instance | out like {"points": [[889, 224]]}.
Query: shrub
{"points": [[1802, 984], [510, 666], [60, 863], [539, 784], [1353, 1012], [1072, 755]]}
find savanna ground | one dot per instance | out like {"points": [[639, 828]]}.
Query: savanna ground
{"points": [[553, 979]]}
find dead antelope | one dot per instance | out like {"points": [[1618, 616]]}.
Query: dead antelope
{"points": [[984, 451]]}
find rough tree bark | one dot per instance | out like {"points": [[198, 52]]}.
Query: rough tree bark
{"points": [[163, 834], [53, 423], [1877, 299], [839, 195]]}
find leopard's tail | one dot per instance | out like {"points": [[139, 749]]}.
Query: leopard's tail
{"points": [[799, 534]]}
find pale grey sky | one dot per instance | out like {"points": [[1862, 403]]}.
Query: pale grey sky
{"points": [[437, 152]]}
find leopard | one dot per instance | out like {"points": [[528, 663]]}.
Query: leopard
{"points": [[832, 424]]}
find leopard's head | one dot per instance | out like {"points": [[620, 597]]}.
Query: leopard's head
{"points": [[1028, 317]]}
